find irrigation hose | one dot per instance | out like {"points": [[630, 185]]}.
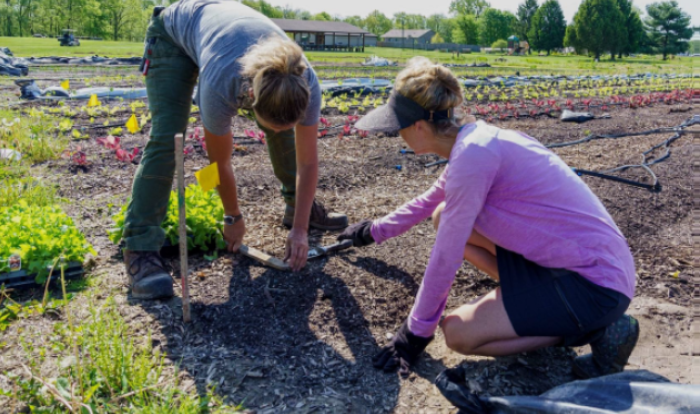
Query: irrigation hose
{"points": [[436, 163], [645, 164], [656, 187]]}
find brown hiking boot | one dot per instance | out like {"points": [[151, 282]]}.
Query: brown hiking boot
{"points": [[148, 276], [611, 352], [320, 218]]}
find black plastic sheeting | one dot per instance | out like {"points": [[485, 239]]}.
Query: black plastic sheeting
{"points": [[12, 66], [356, 86], [578, 117], [92, 60], [467, 65], [21, 278], [631, 392], [31, 91]]}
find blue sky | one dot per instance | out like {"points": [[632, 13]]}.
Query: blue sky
{"points": [[389, 7]]}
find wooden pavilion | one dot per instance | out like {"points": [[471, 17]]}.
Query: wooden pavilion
{"points": [[327, 36]]}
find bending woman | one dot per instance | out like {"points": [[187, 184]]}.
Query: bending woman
{"points": [[242, 60], [517, 212]]}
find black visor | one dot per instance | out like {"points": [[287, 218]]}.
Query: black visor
{"points": [[399, 113]]}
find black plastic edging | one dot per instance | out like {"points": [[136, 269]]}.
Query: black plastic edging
{"points": [[21, 278]]}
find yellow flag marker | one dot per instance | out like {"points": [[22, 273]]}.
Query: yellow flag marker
{"points": [[208, 177], [133, 124], [93, 101], [65, 84]]}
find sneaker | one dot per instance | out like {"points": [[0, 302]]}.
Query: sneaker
{"points": [[611, 352], [320, 218], [148, 276]]}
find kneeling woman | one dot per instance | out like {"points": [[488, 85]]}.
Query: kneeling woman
{"points": [[517, 212]]}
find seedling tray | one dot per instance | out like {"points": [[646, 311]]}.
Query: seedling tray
{"points": [[21, 278]]}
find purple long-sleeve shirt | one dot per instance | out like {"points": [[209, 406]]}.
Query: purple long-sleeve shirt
{"points": [[524, 198]]}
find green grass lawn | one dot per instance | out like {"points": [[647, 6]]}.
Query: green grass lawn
{"points": [[27, 47], [554, 64]]}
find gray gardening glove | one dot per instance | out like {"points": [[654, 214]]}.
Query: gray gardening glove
{"points": [[359, 233]]}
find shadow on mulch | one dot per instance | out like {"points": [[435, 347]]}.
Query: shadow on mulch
{"points": [[285, 342], [532, 373]]}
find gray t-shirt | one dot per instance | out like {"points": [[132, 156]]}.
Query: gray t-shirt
{"points": [[215, 34]]}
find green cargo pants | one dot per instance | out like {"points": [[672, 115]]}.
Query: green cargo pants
{"points": [[170, 81]]}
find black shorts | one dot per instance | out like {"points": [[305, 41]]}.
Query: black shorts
{"points": [[555, 302]]}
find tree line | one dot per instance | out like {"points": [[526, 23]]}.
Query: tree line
{"points": [[101, 19], [616, 27], [599, 26]]}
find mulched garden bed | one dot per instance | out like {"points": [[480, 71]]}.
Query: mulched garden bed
{"points": [[303, 342]]}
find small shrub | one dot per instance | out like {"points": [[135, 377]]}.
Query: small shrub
{"points": [[500, 44], [205, 215]]}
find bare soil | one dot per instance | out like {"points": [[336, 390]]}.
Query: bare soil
{"points": [[303, 342]]}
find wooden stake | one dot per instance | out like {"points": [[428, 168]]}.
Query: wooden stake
{"points": [[180, 165]]}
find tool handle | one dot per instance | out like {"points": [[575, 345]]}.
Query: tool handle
{"points": [[338, 246], [263, 258]]}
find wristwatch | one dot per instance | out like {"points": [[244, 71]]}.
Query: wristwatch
{"points": [[231, 220]]}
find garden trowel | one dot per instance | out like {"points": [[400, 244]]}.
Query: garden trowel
{"points": [[320, 251], [275, 263]]}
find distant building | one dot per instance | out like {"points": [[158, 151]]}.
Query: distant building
{"points": [[329, 36], [407, 38]]}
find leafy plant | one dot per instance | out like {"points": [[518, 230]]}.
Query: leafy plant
{"points": [[198, 135], [126, 156], [76, 157], [118, 131], [259, 135], [110, 142], [65, 125], [39, 234], [76, 134], [113, 143], [205, 215]]}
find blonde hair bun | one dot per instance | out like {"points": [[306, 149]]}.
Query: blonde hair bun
{"points": [[276, 65], [432, 86]]}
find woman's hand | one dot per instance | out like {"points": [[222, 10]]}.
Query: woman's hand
{"points": [[297, 250], [233, 235], [402, 352], [360, 234]]}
